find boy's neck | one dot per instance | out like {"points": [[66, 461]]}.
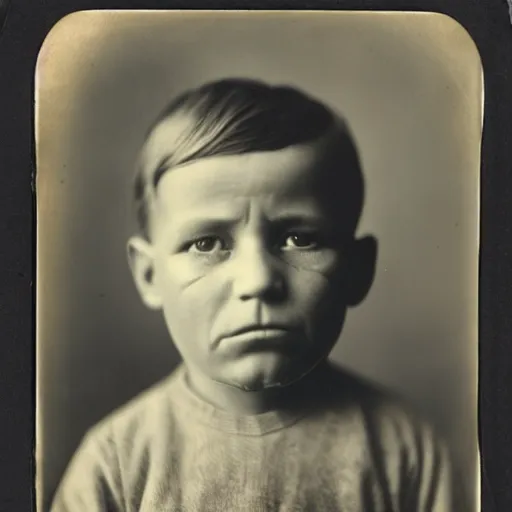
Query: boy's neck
{"points": [[239, 402]]}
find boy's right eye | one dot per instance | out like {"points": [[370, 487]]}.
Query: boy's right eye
{"points": [[207, 244]]}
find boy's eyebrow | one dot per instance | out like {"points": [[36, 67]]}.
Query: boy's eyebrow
{"points": [[198, 223], [210, 223], [293, 218]]}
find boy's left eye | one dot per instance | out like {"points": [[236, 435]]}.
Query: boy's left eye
{"points": [[207, 244], [301, 241]]}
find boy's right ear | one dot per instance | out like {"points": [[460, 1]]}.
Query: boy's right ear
{"points": [[142, 264]]}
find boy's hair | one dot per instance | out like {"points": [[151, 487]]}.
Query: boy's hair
{"points": [[237, 116]]}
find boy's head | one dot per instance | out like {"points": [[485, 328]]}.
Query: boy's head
{"points": [[248, 197]]}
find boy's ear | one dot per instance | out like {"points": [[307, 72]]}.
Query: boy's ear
{"points": [[363, 260], [142, 265]]}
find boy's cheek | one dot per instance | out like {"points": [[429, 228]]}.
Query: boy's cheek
{"points": [[318, 294], [180, 271], [324, 264]]}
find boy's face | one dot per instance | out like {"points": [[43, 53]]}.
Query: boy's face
{"points": [[247, 264]]}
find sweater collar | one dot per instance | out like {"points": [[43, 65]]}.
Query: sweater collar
{"points": [[192, 406]]}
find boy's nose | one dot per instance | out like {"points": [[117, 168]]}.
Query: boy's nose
{"points": [[257, 275]]}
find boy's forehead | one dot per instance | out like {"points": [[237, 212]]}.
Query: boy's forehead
{"points": [[276, 184], [166, 140]]}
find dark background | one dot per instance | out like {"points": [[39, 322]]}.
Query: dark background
{"points": [[25, 28]]}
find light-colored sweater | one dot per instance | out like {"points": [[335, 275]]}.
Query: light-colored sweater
{"points": [[349, 448]]}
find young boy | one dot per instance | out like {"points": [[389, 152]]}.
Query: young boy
{"points": [[248, 199]]}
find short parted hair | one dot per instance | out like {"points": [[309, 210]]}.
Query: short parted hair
{"points": [[237, 116]]}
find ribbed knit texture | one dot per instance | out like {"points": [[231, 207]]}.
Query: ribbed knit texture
{"points": [[348, 448]]}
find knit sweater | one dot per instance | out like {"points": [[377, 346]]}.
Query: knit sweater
{"points": [[348, 448]]}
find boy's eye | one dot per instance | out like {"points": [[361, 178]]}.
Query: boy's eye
{"points": [[301, 241], [207, 244]]}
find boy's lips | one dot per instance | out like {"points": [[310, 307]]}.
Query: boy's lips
{"points": [[256, 333]]}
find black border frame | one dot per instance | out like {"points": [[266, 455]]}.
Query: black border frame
{"points": [[25, 27]]}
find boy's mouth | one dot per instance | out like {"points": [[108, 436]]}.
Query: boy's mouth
{"points": [[261, 336]]}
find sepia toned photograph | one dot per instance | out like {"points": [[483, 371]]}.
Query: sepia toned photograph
{"points": [[257, 262]]}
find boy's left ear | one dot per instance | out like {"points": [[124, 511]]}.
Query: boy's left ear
{"points": [[142, 265], [363, 260]]}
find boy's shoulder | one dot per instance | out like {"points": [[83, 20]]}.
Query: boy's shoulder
{"points": [[148, 412], [374, 406]]}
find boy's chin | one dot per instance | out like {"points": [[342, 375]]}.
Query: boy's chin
{"points": [[257, 385], [264, 377]]}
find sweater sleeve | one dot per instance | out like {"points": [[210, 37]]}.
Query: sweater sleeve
{"points": [[427, 484], [410, 464], [436, 491], [92, 481]]}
